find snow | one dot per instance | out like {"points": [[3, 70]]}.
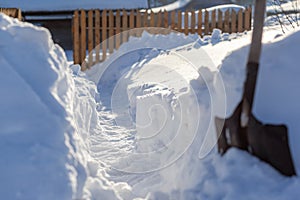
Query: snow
{"points": [[151, 81], [285, 6], [47, 114], [57, 5], [141, 124]]}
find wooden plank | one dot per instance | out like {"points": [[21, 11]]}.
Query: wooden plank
{"points": [[97, 35], [213, 20], [199, 24], [118, 29], [90, 37], [206, 23], [173, 13], [166, 19], [220, 20], [152, 19], [111, 41], [83, 37], [193, 21], [131, 23], [104, 34], [186, 22], [226, 21], [20, 14], [179, 25], [76, 38], [248, 19], [145, 19], [233, 21], [240, 21], [138, 23], [124, 26], [159, 19]]}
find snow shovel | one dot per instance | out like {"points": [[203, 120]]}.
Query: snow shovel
{"points": [[242, 130]]}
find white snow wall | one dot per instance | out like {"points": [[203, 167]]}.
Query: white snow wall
{"points": [[41, 153]]}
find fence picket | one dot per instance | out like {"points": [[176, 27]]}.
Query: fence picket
{"points": [[193, 22], [206, 23], [186, 22], [233, 21], [76, 45], [248, 19], [97, 35], [226, 22], [166, 19], [131, 23], [124, 27], [199, 25], [110, 30], [173, 13], [179, 25], [213, 20], [90, 37], [83, 37], [104, 32], [240, 21], [118, 29], [138, 23], [220, 19]]}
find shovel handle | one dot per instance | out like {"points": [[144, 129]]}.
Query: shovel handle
{"points": [[253, 61], [258, 24]]}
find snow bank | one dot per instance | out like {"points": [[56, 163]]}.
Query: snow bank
{"points": [[47, 115], [37, 156], [57, 5]]}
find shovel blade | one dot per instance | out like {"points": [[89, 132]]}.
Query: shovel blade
{"points": [[265, 141]]}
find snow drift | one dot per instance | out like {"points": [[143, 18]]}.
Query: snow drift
{"points": [[47, 113]]}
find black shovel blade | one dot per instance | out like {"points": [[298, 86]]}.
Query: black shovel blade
{"points": [[265, 141]]}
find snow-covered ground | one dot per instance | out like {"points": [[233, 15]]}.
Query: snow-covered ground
{"points": [[140, 125], [58, 5], [277, 6]]}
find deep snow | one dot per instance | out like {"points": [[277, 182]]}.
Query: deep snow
{"points": [[61, 139]]}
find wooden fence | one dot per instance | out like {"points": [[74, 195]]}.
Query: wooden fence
{"points": [[12, 12], [98, 33]]}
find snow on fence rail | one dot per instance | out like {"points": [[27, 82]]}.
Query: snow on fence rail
{"points": [[100, 32], [12, 12]]}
